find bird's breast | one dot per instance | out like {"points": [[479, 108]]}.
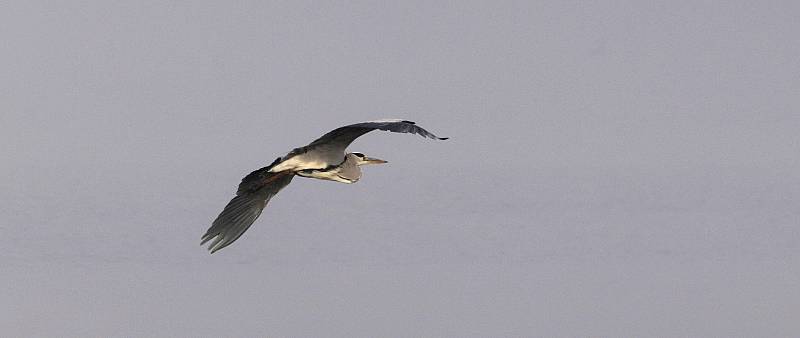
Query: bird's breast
{"points": [[309, 160]]}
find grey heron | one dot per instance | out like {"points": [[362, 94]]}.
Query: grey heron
{"points": [[324, 158]]}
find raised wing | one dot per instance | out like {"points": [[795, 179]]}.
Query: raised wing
{"points": [[254, 193], [340, 138]]}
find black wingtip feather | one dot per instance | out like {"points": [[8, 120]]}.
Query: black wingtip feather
{"points": [[406, 121]]}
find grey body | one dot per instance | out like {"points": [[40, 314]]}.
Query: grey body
{"points": [[347, 172], [324, 158]]}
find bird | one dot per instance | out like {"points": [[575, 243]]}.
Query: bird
{"points": [[324, 158]]}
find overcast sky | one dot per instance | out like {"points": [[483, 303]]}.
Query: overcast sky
{"points": [[617, 168]]}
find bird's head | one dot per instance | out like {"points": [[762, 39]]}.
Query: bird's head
{"points": [[362, 159]]}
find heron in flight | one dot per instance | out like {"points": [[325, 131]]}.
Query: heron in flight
{"points": [[324, 158]]}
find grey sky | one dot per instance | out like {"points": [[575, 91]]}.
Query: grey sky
{"points": [[617, 168]]}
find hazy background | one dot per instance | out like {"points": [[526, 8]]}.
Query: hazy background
{"points": [[615, 168]]}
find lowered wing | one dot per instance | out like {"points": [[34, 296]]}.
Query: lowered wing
{"points": [[254, 193]]}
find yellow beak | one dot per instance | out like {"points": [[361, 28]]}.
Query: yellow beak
{"points": [[370, 160]]}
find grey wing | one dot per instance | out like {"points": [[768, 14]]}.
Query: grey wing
{"points": [[340, 138], [254, 193]]}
